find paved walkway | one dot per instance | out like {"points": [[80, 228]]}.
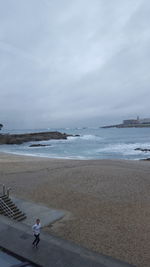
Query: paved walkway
{"points": [[34, 211], [52, 252]]}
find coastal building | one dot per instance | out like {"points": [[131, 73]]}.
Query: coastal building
{"points": [[145, 120], [136, 121], [131, 121]]}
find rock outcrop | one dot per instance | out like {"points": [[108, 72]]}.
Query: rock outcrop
{"points": [[142, 149], [38, 145], [147, 159], [29, 137]]}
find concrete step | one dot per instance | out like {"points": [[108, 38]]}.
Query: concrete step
{"points": [[15, 209], [22, 218], [5, 197], [8, 201], [5, 214], [18, 214], [19, 217], [12, 205]]}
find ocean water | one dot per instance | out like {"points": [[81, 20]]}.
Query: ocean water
{"points": [[93, 143]]}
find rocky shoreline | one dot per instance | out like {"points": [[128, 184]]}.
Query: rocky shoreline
{"points": [[142, 149], [145, 150], [11, 139]]}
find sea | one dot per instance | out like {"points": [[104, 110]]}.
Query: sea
{"points": [[92, 143]]}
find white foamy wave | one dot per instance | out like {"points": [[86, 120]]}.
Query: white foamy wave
{"points": [[85, 137], [126, 149], [91, 137]]}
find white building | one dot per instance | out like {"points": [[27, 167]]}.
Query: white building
{"points": [[145, 120]]}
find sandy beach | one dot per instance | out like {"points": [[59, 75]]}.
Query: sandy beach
{"points": [[107, 202]]}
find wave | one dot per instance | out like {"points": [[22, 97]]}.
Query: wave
{"points": [[90, 137], [86, 137], [126, 149]]}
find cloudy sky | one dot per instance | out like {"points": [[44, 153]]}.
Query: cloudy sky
{"points": [[69, 63]]}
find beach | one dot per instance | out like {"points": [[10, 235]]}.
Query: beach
{"points": [[107, 202]]}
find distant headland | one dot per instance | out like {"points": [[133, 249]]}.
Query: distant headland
{"points": [[138, 123]]}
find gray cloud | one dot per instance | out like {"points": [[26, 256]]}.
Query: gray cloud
{"points": [[69, 63]]}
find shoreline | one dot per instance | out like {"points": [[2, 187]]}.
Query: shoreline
{"points": [[107, 200], [46, 157], [69, 158]]}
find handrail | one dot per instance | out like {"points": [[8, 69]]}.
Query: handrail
{"points": [[6, 208], [8, 190], [4, 189]]}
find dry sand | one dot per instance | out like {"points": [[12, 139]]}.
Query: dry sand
{"points": [[108, 201]]}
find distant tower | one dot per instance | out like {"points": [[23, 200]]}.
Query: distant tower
{"points": [[138, 118]]}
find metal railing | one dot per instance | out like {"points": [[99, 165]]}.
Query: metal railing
{"points": [[5, 190], [6, 209]]}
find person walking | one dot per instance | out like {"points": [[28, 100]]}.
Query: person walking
{"points": [[36, 231]]}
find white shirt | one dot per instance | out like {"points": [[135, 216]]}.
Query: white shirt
{"points": [[36, 228]]}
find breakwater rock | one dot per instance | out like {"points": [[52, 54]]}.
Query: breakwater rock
{"points": [[132, 125], [29, 137], [38, 145], [142, 149]]}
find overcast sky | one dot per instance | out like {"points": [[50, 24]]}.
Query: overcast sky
{"points": [[69, 63]]}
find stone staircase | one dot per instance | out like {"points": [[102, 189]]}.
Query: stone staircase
{"points": [[8, 207]]}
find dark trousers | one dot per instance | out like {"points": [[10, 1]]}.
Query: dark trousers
{"points": [[36, 240]]}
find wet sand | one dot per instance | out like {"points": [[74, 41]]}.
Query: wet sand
{"points": [[107, 201]]}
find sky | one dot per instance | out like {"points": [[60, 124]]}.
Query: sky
{"points": [[66, 63]]}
